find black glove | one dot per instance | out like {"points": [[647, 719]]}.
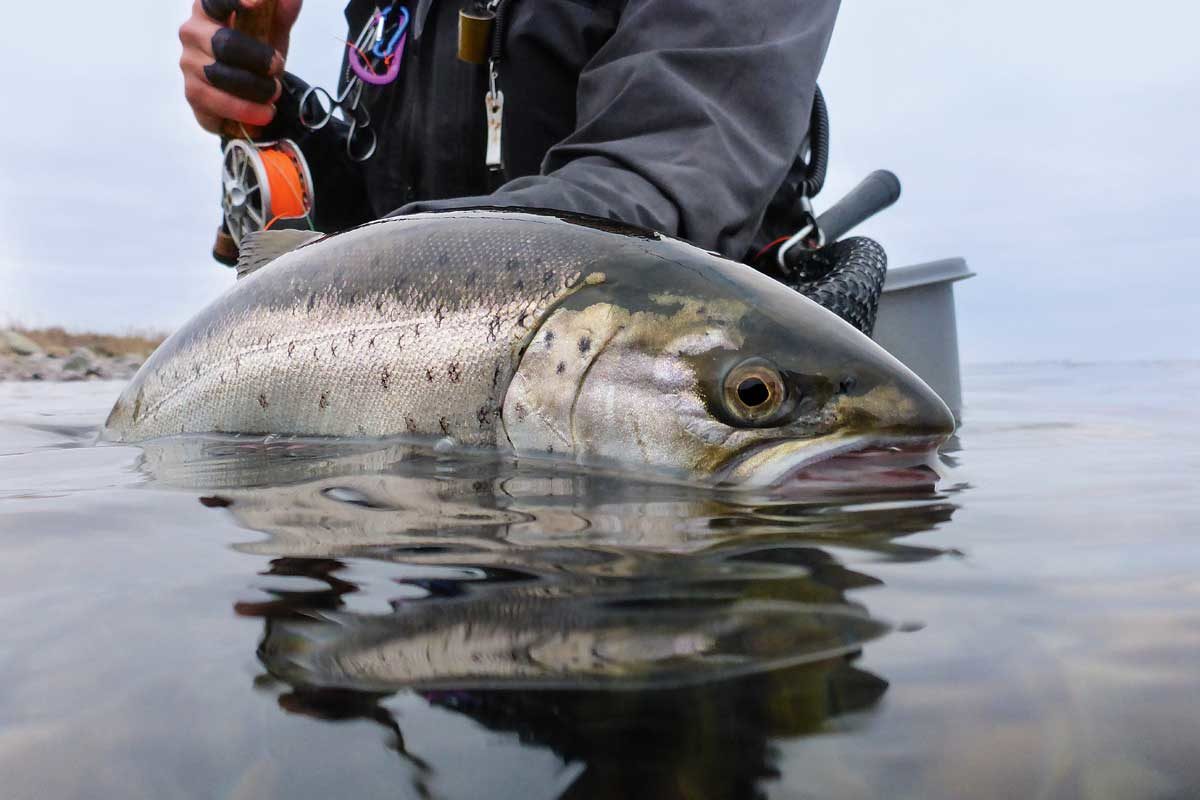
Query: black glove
{"points": [[243, 65]]}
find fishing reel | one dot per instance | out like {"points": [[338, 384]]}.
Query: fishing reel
{"points": [[264, 186]]}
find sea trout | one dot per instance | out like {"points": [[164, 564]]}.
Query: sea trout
{"points": [[542, 335]]}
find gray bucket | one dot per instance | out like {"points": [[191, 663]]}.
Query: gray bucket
{"points": [[916, 323]]}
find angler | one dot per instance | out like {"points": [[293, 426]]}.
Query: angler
{"points": [[687, 117]]}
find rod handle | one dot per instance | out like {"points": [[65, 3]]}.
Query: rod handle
{"points": [[876, 192], [258, 23]]}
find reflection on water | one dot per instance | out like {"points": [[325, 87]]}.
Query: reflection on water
{"points": [[659, 637], [223, 619]]}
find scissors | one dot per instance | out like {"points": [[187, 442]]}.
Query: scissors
{"points": [[317, 105]]}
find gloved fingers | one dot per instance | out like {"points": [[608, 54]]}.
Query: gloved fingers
{"points": [[220, 10], [241, 83], [245, 52], [201, 35]]}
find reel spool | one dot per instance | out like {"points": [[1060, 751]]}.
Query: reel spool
{"points": [[264, 185]]}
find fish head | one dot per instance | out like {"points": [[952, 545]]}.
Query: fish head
{"points": [[712, 372]]}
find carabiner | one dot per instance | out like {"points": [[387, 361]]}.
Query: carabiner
{"points": [[379, 51]]}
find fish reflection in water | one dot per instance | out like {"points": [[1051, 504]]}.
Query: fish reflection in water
{"points": [[659, 635]]}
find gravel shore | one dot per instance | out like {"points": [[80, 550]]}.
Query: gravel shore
{"points": [[55, 356]]}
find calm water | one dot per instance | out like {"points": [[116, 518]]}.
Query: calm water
{"points": [[219, 619]]}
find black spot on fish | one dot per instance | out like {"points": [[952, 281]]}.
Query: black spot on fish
{"points": [[439, 315], [512, 264], [519, 285], [454, 372], [470, 279], [561, 368], [262, 400], [429, 375], [443, 258], [547, 278], [352, 337], [323, 403], [417, 329], [410, 424], [312, 301], [549, 340], [371, 343], [379, 304], [484, 415], [215, 501], [333, 349], [493, 328], [496, 376], [291, 347], [385, 379], [362, 431], [585, 345], [444, 425], [521, 412]]}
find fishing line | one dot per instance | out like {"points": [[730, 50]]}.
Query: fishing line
{"points": [[288, 195]]}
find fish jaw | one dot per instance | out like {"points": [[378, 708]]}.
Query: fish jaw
{"points": [[839, 460]]}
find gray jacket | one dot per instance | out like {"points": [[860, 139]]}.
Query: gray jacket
{"points": [[685, 116]]}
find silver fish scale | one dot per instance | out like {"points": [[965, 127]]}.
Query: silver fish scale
{"points": [[419, 319]]}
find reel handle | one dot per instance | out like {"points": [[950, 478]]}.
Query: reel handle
{"points": [[256, 22]]}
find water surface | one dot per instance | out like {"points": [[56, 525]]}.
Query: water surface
{"points": [[214, 618]]}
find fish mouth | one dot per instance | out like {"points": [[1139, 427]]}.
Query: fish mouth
{"points": [[838, 462]]}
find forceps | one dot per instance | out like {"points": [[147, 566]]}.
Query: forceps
{"points": [[317, 105]]}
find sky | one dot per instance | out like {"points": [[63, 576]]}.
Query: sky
{"points": [[1052, 145]]}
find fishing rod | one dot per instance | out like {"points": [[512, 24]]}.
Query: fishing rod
{"points": [[264, 184]]}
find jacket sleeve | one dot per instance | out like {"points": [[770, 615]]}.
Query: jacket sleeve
{"points": [[688, 119]]}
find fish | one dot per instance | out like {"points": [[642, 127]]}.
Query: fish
{"points": [[537, 637], [542, 335]]}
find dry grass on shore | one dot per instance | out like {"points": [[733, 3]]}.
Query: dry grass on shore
{"points": [[58, 339]]}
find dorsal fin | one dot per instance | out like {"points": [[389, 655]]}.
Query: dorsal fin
{"points": [[262, 247]]}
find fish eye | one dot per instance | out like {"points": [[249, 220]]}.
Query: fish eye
{"points": [[755, 392]]}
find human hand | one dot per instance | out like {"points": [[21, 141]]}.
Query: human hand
{"points": [[228, 75]]}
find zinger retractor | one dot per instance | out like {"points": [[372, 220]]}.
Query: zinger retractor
{"points": [[264, 186]]}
